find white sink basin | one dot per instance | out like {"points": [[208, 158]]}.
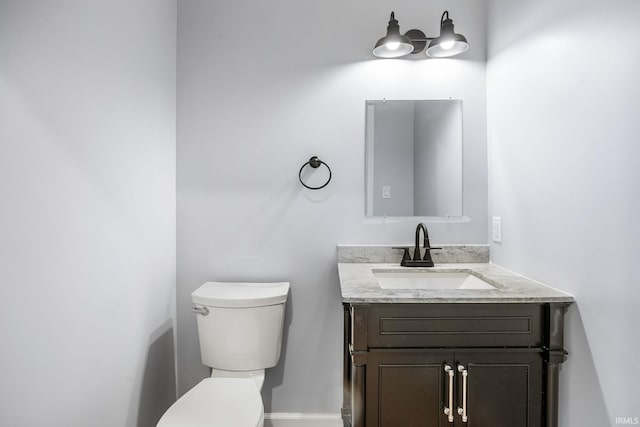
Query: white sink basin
{"points": [[429, 280]]}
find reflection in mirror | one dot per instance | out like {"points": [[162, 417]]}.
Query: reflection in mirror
{"points": [[413, 158]]}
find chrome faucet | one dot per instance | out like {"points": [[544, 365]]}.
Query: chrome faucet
{"points": [[418, 260]]}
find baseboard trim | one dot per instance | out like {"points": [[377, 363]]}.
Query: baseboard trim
{"points": [[300, 416]]}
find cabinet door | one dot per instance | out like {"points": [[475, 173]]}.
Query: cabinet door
{"points": [[503, 388], [406, 388]]}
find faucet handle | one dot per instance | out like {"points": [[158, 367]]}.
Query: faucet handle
{"points": [[405, 254], [427, 253]]}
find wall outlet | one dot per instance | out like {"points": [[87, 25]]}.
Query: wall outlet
{"points": [[386, 191], [497, 229]]}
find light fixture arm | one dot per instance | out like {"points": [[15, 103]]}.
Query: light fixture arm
{"points": [[445, 13], [418, 36], [418, 39]]}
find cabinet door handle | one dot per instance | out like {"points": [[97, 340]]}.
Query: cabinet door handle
{"points": [[449, 410], [463, 411]]}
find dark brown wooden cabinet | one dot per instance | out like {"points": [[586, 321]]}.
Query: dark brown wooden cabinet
{"points": [[436, 365], [405, 387], [504, 388]]}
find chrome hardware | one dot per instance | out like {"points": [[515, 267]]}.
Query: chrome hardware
{"points": [[449, 411], [203, 311], [463, 411]]}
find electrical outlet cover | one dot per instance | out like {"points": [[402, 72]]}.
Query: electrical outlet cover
{"points": [[386, 192], [497, 229]]}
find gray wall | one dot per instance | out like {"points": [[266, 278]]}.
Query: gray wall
{"points": [[563, 104], [87, 217], [261, 88], [393, 158], [437, 166]]}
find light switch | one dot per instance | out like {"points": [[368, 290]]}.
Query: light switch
{"points": [[497, 229], [386, 191]]}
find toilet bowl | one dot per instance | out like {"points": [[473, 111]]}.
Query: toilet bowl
{"points": [[217, 402], [240, 329]]}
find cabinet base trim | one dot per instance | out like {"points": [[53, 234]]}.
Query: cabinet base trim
{"points": [[300, 416]]}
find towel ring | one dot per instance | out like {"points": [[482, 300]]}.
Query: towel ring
{"points": [[315, 163]]}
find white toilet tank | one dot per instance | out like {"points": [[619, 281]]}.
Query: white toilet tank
{"points": [[240, 324]]}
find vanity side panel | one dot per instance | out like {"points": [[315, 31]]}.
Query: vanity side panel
{"points": [[358, 355], [346, 367], [555, 356]]}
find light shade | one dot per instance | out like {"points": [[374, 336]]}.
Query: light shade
{"points": [[394, 44], [448, 43]]}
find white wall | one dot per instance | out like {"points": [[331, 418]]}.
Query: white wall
{"points": [[261, 88], [87, 216], [563, 108]]}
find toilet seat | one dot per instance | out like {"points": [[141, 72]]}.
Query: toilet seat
{"points": [[217, 402]]}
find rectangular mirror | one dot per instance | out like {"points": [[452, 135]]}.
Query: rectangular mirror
{"points": [[413, 158]]}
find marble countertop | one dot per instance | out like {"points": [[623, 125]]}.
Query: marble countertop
{"points": [[359, 285]]}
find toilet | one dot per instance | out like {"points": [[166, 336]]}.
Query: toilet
{"points": [[240, 330]]}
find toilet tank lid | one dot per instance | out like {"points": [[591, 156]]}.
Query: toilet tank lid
{"points": [[240, 294]]}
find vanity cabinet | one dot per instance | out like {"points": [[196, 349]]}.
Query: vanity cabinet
{"points": [[475, 365]]}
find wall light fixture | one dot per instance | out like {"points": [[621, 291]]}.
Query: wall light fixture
{"points": [[395, 45]]}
